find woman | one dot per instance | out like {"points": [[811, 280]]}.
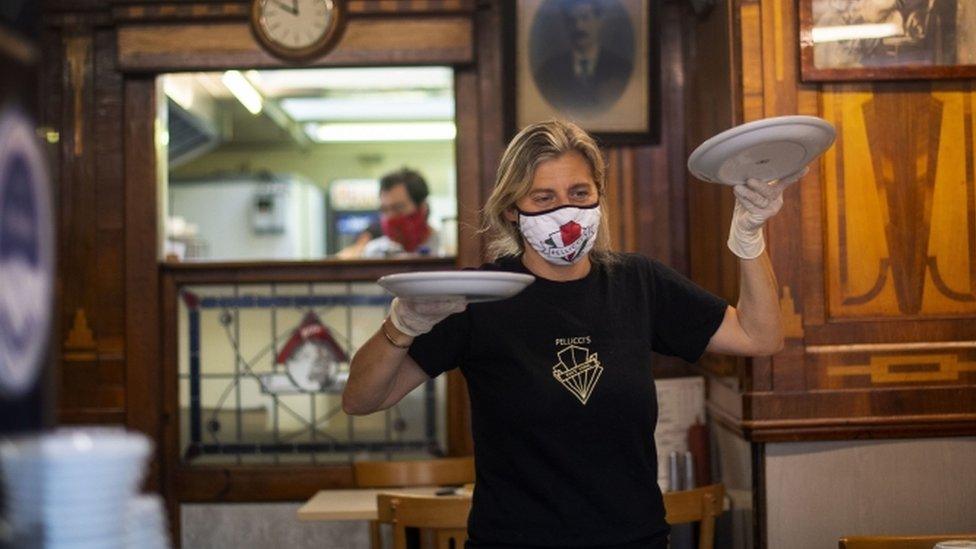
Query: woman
{"points": [[563, 404]]}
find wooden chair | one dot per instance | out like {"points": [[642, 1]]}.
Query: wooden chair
{"points": [[899, 542], [445, 517], [701, 505], [398, 474], [430, 472]]}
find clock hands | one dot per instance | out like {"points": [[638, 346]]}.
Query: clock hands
{"points": [[292, 9]]}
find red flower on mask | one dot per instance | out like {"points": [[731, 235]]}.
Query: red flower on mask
{"points": [[570, 232]]}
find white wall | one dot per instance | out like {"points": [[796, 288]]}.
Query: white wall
{"points": [[223, 214], [818, 492], [324, 163]]}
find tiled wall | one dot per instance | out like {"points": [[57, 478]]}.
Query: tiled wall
{"points": [[265, 525]]}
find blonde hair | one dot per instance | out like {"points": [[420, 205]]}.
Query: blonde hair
{"points": [[532, 146]]}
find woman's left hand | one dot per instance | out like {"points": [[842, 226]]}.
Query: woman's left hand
{"points": [[755, 203]]}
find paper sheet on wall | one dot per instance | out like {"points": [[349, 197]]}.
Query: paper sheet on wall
{"points": [[681, 400]]}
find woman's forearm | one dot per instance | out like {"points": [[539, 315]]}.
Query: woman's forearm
{"points": [[758, 307], [373, 371]]}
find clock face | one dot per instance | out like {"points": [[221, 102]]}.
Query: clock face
{"points": [[295, 25]]}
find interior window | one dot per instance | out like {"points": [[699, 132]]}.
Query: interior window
{"points": [[305, 164]]}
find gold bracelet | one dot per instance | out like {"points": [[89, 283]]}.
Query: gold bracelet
{"points": [[390, 338]]}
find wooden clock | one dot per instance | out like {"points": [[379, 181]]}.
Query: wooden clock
{"points": [[297, 30]]}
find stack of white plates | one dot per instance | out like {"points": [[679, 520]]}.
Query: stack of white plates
{"points": [[71, 488], [145, 525]]}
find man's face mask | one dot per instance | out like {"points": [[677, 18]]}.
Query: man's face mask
{"points": [[409, 231], [562, 236]]}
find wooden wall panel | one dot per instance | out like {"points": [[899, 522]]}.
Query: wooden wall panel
{"points": [[874, 251], [92, 374], [717, 87], [900, 200], [144, 387], [194, 46]]}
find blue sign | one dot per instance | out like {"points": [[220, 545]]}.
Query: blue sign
{"points": [[26, 253]]}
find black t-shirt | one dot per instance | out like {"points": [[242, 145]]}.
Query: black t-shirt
{"points": [[563, 405]]}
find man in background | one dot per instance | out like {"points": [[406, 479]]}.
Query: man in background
{"points": [[403, 218]]}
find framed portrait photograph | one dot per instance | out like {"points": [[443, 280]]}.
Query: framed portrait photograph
{"points": [[846, 40], [593, 62]]}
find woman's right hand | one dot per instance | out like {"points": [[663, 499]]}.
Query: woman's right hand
{"points": [[415, 317]]}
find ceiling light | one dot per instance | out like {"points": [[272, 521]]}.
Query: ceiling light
{"points": [[379, 131], [388, 106], [179, 89], [279, 82], [243, 91]]}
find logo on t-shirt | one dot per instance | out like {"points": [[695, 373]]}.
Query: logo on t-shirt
{"points": [[577, 370]]}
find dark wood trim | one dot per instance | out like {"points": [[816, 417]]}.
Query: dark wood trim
{"points": [[256, 483], [759, 495], [947, 411], [169, 441], [868, 406], [891, 330], [298, 271], [468, 172], [912, 430], [493, 93], [158, 47], [811, 73], [49, 110], [409, 8], [91, 416], [142, 372], [845, 428], [145, 11], [469, 249]]}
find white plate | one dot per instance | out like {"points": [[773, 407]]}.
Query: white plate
{"points": [[768, 149], [474, 286]]}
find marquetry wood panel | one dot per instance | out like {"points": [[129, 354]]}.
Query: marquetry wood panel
{"points": [[873, 250], [900, 200], [881, 369]]}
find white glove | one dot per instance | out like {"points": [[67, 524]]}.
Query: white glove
{"points": [[415, 317], [756, 202]]}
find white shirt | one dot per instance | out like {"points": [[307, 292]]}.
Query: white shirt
{"points": [[385, 247]]}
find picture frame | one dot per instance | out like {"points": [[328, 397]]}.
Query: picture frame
{"points": [[593, 62], [857, 40]]}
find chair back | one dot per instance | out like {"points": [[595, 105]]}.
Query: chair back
{"points": [[900, 542], [700, 505], [430, 472], [445, 517]]}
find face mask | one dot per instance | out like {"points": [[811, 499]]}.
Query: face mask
{"points": [[562, 236], [409, 231]]}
